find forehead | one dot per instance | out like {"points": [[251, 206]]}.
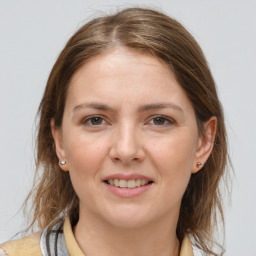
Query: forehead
{"points": [[123, 75], [121, 62]]}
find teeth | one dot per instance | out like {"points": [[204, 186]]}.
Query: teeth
{"points": [[131, 184], [127, 184], [116, 182], [123, 183], [138, 183]]}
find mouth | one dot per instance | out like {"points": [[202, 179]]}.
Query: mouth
{"points": [[128, 185], [131, 184]]}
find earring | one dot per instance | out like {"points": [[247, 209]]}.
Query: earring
{"points": [[199, 164], [63, 162]]}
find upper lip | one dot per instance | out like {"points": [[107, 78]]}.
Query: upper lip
{"points": [[121, 176]]}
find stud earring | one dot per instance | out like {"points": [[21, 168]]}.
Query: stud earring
{"points": [[199, 164], [63, 162]]}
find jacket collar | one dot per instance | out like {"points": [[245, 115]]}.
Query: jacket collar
{"points": [[74, 250]]}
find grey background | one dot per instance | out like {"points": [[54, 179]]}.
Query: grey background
{"points": [[32, 33]]}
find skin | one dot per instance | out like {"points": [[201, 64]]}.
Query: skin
{"points": [[161, 143]]}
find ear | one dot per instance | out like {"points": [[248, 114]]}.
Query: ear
{"points": [[58, 139], [205, 144]]}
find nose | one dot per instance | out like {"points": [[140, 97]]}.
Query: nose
{"points": [[126, 146]]}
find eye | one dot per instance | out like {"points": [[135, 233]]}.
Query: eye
{"points": [[94, 121], [161, 121]]}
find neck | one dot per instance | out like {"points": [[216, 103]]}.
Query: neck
{"points": [[97, 238]]}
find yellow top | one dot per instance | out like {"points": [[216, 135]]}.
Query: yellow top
{"points": [[74, 249], [30, 245]]}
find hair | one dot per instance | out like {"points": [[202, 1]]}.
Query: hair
{"points": [[149, 32]]}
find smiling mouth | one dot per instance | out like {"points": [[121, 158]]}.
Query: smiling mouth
{"points": [[121, 183]]}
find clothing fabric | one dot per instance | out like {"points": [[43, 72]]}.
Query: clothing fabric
{"points": [[59, 241], [28, 245]]}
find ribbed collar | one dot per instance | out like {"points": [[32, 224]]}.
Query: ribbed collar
{"points": [[74, 250]]}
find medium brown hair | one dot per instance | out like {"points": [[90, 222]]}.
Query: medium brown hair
{"points": [[151, 32]]}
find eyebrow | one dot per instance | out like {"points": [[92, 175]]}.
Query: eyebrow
{"points": [[160, 106], [93, 105], [143, 108]]}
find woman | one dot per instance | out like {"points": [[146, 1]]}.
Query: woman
{"points": [[131, 144]]}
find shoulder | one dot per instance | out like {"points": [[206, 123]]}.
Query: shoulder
{"points": [[28, 245]]}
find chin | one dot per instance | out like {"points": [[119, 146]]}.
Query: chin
{"points": [[128, 217], [128, 223]]}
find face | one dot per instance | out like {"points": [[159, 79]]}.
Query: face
{"points": [[130, 139]]}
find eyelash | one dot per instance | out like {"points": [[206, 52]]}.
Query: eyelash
{"points": [[163, 118], [90, 118]]}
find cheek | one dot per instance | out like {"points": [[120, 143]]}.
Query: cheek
{"points": [[173, 159], [84, 154], [176, 151], [85, 157]]}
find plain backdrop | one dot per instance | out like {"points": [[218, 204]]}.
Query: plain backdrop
{"points": [[32, 33]]}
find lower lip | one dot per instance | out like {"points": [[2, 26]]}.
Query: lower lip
{"points": [[128, 192]]}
